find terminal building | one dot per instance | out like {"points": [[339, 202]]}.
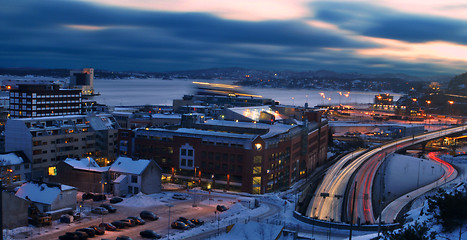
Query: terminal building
{"points": [[83, 80]]}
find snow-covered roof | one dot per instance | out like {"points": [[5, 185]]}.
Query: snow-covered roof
{"points": [[253, 112], [274, 129], [88, 164], [128, 165], [120, 179], [122, 113], [213, 133], [41, 192], [51, 118], [101, 122], [10, 159], [165, 116]]}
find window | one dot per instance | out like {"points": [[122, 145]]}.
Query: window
{"points": [[130, 189], [136, 190], [52, 171], [134, 179], [187, 157], [257, 160]]}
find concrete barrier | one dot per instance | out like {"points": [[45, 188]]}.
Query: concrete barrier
{"points": [[340, 225]]}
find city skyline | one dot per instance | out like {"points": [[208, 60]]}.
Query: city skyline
{"points": [[419, 38]]}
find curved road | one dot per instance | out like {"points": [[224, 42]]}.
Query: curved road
{"points": [[321, 206], [391, 211], [328, 203], [366, 173]]}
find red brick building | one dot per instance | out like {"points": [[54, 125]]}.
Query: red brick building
{"points": [[245, 156]]}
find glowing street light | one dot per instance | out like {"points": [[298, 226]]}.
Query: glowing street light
{"points": [[451, 103]]}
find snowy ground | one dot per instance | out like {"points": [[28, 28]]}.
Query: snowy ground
{"points": [[403, 174], [279, 206]]}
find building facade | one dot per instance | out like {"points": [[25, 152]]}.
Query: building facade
{"points": [[48, 140], [41, 100], [83, 80], [132, 176], [244, 156], [14, 166]]}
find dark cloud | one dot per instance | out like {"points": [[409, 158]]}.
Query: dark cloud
{"points": [[34, 34], [374, 21]]}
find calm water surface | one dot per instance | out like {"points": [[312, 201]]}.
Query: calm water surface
{"points": [[161, 92]]}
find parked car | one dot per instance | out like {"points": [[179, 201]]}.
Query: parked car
{"points": [[66, 218], [131, 222], [69, 236], [81, 235], [197, 222], [137, 220], [179, 225], [89, 231], [109, 208], [187, 222], [116, 200], [99, 197], [98, 230], [87, 196], [108, 226], [120, 224], [150, 234], [221, 208], [123, 238], [148, 215], [100, 210], [179, 196]]}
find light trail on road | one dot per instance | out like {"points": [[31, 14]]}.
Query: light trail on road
{"points": [[391, 211], [337, 178]]}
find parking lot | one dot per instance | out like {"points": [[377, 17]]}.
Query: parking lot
{"points": [[181, 208]]}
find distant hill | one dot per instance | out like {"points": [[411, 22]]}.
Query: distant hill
{"points": [[458, 84]]}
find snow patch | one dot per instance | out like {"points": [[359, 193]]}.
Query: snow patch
{"points": [[140, 200]]}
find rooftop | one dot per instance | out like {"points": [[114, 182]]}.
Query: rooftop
{"points": [[128, 165]]}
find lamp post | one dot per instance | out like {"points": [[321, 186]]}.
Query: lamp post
{"points": [[103, 184], [216, 214], [450, 103], [168, 225], [194, 194]]}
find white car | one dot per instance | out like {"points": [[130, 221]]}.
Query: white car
{"points": [[100, 210]]}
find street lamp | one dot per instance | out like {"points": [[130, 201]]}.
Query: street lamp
{"points": [[168, 225], [216, 214], [194, 195], [103, 184], [451, 103]]}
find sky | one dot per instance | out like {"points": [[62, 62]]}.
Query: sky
{"points": [[418, 37]]}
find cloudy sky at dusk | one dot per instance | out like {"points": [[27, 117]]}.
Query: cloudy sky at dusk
{"points": [[419, 37]]}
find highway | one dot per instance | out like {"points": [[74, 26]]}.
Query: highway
{"points": [[334, 184], [327, 203]]}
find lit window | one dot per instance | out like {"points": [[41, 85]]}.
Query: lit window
{"points": [[52, 171]]}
